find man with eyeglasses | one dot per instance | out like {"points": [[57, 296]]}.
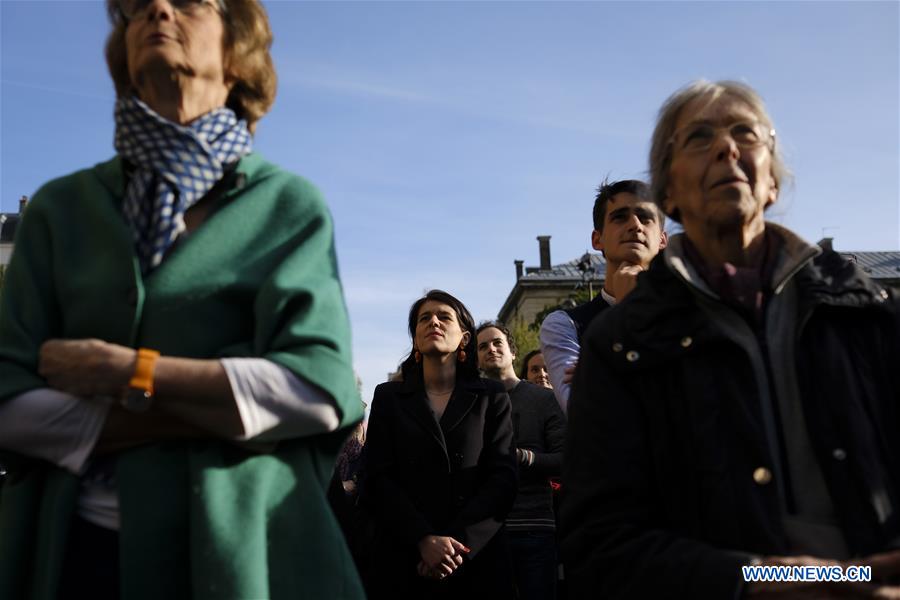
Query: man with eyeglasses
{"points": [[742, 408]]}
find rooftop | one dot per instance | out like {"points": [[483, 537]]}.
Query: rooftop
{"points": [[10, 221], [8, 224], [877, 264]]}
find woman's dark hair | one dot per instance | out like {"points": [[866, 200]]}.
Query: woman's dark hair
{"points": [[411, 370], [523, 374]]}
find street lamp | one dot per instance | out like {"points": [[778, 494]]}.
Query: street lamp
{"points": [[584, 265]]}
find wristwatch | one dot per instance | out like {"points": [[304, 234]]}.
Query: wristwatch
{"points": [[138, 395]]}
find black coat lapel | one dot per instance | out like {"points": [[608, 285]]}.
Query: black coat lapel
{"points": [[415, 403], [461, 402]]}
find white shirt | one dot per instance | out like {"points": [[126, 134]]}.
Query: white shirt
{"points": [[560, 347]]}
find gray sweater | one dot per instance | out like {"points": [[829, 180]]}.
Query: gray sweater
{"points": [[540, 426]]}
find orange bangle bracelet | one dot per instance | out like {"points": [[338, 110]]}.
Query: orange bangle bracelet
{"points": [[144, 369]]}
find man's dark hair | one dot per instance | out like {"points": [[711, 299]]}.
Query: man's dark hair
{"points": [[510, 340], [608, 189]]}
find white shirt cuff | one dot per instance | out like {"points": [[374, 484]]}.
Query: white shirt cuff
{"points": [[274, 404], [560, 347], [52, 425]]}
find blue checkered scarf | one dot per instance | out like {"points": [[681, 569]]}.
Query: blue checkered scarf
{"points": [[176, 166]]}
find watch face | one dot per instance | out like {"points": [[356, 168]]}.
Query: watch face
{"points": [[137, 400]]}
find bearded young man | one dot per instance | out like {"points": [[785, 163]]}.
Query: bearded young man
{"points": [[540, 430]]}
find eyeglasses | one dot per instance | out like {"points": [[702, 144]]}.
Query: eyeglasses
{"points": [[135, 9], [699, 137]]}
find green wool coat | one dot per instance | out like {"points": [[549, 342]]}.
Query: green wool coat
{"points": [[204, 519]]}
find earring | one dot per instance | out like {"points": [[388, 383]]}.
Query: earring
{"points": [[461, 355], [417, 356]]}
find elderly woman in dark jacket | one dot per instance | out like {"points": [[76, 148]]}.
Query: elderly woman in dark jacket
{"points": [[440, 466], [742, 406]]}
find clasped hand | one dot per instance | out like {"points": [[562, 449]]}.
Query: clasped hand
{"points": [[441, 556]]}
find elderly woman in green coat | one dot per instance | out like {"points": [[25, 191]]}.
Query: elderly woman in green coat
{"points": [[175, 375]]}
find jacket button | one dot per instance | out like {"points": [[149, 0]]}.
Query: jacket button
{"points": [[632, 355], [686, 341], [617, 347], [458, 457], [839, 454], [762, 475]]}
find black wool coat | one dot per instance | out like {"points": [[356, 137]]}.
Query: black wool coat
{"points": [[663, 496], [456, 478]]}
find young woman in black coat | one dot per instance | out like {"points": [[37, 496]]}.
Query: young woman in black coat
{"points": [[440, 461]]}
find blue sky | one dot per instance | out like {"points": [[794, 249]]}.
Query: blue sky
{"points": [[447, 136]]}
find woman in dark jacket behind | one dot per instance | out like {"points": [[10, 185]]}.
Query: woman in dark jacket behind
{"points": [[440, 460]]}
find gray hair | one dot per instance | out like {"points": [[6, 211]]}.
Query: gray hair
{"points": [[661, 148]]}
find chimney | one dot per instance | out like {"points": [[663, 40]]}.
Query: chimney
{"points": [[544, 246], [23, 201], [825, 243], [519, 264]]}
